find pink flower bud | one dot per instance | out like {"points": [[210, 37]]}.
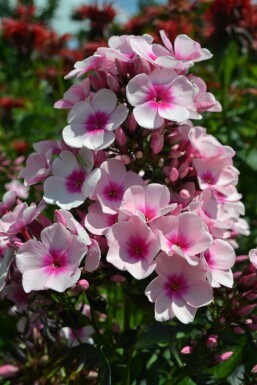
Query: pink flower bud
{"points": [[212, 342], [113, 82], [238, 330], [222, 320], [83, 284], [173, 175], [59, 218], [223, 357], [254, 369], [116, 328], [120, 136], [241, 258], [157, 142], [8, 370], [132, 124], [247, 280], [184, 194], [186, 350], [247, 310], [117, 278]]}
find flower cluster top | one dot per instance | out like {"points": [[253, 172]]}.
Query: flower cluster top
{"points": [[137, 187]]}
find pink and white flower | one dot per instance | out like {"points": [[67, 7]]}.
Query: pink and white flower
{"points": [[52, 263], [132, 247], [178, 290], [91, 124], [149, 202], [75, 94], [160, 95], [220, 257], [185, 234], [113, 183], [71, 183]]}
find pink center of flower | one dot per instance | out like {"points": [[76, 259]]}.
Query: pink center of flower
{"points": [[55, 261], [159, 93], [96, 121], [176, 284], [75, 181], [113, 192], [137, 248], [178, 240], [208, 178], [148, 212]]}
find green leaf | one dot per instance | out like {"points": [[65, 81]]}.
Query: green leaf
{"points": [[105, 370], [74, 319]]}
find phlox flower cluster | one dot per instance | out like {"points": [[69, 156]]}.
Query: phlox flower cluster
{"points": [[135, 185]]}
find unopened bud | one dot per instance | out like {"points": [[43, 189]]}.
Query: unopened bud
{"points": [[132, 124], [212, 342], [120, 136], [8, 370], [223, 357], [186, 350]]}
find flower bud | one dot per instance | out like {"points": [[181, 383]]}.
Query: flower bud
{"points": [[8, 370], [219, 358], [186, 350], [120, 136], [212, 342]]}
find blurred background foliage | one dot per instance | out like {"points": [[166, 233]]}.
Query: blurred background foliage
{"points": [[33, 62]]}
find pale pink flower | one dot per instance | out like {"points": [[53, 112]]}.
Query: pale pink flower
{"points": [[220, 257], [98, 222], [122, 44], [184, 54], [37, 167], [15, 221], [91, 124], [132, 247], [203, 100], [215, 173], [8, 201], [71, 183], [18, 188], [52, 263], [185, 234], [207, 145], [178, 290], [149, 202], [112, 185], [160, 95], [75, 94]]}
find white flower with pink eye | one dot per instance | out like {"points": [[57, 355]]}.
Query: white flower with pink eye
{"points": [[215, 173], [160, 95], [71, 183], [178, 290], [132, 247], [75, 94], [52, 263], [184, 54], [149, 202], [113, 183], [219, 259], [91, 123], [185, 234]]}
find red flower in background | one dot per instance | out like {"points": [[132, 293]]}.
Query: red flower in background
{"points": [[8, 103], [99, 16]]}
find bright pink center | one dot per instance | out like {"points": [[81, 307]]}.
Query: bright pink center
{"points": [[55, 261], [137, 247], [208, 178], [75, 181], [113, 191], [159, 93], [179, 240], [148, 212], [176, 284], [96, 121]]}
